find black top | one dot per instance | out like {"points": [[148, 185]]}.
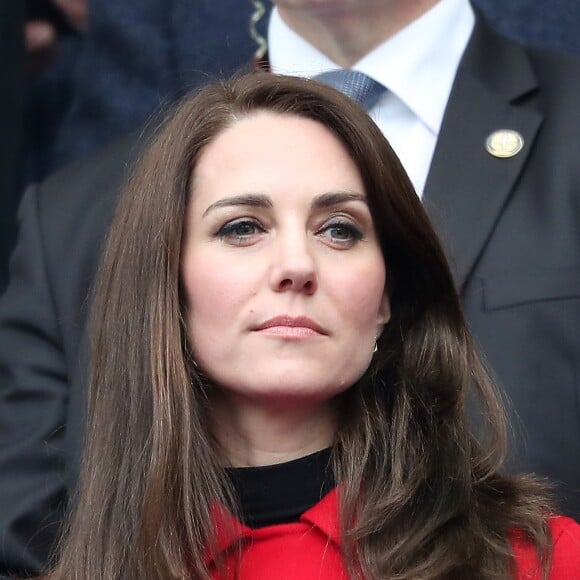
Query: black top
{"points": [[279, 494]]}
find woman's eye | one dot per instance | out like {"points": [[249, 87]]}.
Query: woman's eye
{"points": [[240, 231], [342, 233]]}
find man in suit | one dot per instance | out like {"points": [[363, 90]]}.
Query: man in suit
{"points": [[493, 131], [130, 64]]}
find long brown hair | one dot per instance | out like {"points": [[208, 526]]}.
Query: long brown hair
{"points": [[422, 496]]}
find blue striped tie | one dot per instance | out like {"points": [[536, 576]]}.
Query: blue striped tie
{"points": [[354, 84]]}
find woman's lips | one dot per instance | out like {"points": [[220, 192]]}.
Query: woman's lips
{"points": [[291, 327]]}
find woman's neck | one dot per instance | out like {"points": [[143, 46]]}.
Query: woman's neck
{"points": [[254, 434]]}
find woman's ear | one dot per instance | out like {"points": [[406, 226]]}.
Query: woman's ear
{"points": [[384, 314]]}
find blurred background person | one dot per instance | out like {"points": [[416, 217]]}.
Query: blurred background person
{"points": [[12, 94], [38, 46], [139, 57], [55, 34]]}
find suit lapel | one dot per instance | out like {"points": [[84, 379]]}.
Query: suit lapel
{"points": [[467, 188]]}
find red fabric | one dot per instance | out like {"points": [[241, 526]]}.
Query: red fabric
{"points": [[305, 550], [310, 549], [565, 556]]}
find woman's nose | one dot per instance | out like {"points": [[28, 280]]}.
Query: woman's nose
{"points": [[293, 266]]}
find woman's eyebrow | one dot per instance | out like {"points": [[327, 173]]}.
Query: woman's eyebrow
{"points": [[336, 198], [322, 201], [253, 200]]}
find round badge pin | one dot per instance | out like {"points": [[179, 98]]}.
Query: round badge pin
{"points": [[504, 143]]}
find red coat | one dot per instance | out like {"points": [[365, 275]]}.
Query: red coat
{"points": [[310, 549]]}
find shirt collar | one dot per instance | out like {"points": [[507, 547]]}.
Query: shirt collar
{"points": [[418, 64]]}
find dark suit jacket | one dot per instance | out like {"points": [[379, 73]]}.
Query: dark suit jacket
{"points": [[511, 227]]}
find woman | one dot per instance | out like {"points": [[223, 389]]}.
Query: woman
{"points": [[280, 367]]}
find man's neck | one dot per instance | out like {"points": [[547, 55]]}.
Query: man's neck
{"points": [[348, 32]]}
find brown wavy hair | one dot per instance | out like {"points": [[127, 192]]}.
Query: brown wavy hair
{"points": [[422, 496]]}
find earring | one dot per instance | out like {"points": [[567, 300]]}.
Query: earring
{"points": [[376, 348]]}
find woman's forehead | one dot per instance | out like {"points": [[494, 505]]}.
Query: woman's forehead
{"points": [[286, 157]]}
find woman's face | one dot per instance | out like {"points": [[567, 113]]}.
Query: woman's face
{"points": [[283, 274]]}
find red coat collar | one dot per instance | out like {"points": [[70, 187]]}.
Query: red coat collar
{"points": [[230, 531]]}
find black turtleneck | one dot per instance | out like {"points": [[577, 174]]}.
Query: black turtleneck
{"points": [[279, 494]]}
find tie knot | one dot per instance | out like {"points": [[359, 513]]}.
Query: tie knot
{"points": [[354, 84]]}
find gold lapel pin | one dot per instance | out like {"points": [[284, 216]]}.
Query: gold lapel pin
{"points": [[504, 143]]}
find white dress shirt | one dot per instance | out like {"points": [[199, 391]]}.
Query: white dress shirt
{"points": [[417, 66]]}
